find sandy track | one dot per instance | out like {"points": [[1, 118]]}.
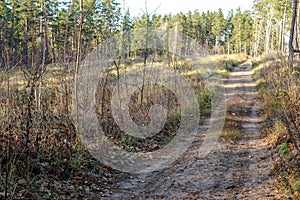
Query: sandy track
{"points": [[240, 170]]}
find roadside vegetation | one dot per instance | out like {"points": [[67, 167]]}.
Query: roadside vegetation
{"points": [[279, 88]]}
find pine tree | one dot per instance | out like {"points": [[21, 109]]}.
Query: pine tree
{"points": [[218, 26]]}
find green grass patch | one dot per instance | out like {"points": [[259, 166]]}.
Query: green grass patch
{"points": [[295, 184]]}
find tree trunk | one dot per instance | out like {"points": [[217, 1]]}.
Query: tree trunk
{"points": [[292, 32], [12, 39], [268, 33], [78, 54], [45, 34], [283, 26], [66, 34]]}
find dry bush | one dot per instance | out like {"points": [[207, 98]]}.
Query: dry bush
{"points": [[35, 126], [280, 90], [140, 103]]}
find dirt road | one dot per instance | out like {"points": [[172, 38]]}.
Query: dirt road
{"points": [[233, 170]]}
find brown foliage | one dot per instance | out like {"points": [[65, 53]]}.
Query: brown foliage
{"points": [[280, 90]]}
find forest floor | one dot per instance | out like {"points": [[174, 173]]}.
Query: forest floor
{"points": [[235, 169]]}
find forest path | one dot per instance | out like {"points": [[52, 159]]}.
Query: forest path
{"points": [[233, 170]]}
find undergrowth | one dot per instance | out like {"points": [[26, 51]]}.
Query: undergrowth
{"points": [[41, 155], [279, 87]]}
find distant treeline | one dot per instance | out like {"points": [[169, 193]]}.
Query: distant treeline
{"points": [[40, 32]]}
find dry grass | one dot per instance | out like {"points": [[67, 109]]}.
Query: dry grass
{"points": [[227, 62], [277, 133], [231, 135], [280, 90]]}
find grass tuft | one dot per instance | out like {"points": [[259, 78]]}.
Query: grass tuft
{"points": [[231, 135]]}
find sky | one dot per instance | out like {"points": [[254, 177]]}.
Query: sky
{"points": [[137, 7]]}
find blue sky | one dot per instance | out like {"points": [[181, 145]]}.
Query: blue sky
{"points": [[137, 7]]}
